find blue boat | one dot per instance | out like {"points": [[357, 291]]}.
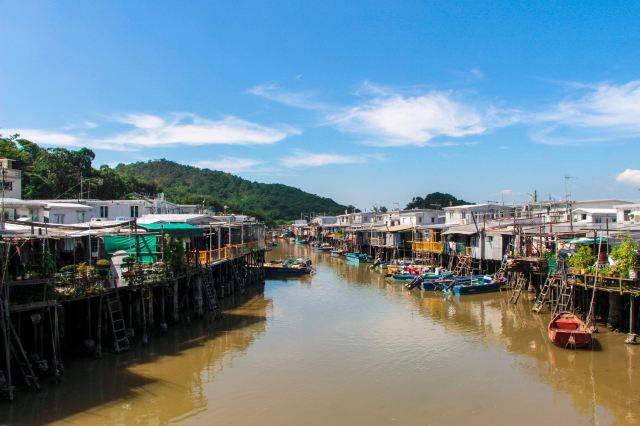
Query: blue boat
{"points": [[356, 257], [477, 284]]}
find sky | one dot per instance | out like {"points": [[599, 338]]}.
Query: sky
{"points": [[368, 102]]}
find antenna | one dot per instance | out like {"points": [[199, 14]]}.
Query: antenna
{"points": [[567, 194]]}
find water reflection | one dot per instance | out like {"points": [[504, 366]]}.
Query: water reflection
{"points": [[151, 384]]}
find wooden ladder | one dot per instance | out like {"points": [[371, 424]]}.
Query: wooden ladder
{"points": [[564, 298], [521, 282], [118, 326], [211, 297], [544, 292], [19, 354], [463, 265]]}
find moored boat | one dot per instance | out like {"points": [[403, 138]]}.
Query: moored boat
{"points": [[567, 330], [288, 268], [477, 284], [356, 257]]}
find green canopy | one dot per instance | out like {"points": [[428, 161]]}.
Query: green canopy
{"points": [[174, 229], [584, 240], [146, 246]]}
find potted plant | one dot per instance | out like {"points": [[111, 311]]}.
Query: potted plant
{"points": [[582, 259], [102, 267], [625, 256]]}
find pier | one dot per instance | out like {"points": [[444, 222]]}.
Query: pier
{"points": [[161, 275]]}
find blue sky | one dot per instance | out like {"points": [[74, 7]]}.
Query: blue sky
{"points": [[366, 102]]}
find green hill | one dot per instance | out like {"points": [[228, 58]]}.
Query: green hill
{"points": [[435, 200], [191, 185]]}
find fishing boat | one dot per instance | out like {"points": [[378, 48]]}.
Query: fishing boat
{"points": [[337, 253], [476, 284], [288, 268], [322, 247], [356, 257], [567, 330]]}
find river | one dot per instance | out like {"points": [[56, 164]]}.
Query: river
{"points": [[344, 346]]}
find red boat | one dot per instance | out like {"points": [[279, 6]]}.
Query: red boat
{"points": [[567, 330]]}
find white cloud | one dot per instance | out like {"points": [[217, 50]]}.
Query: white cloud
{"points": [[45, 137], [630, 176], [392, 118], [306, 159], [606, 112], [230, 164], [146, 130], [274, 92], [191, 129]]}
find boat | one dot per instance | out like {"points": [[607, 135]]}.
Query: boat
{"points": [[356, 257], [301, 241], [323, 247], [288, 268], [476, 284], [337, 253], [567, 330]]}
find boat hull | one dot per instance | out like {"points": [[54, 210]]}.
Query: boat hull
{"points": [[568, 331], [477, 288]]}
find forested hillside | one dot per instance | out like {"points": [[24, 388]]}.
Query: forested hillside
{"points": [[192, 185]]}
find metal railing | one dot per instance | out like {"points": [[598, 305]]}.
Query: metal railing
{"points": [[229, 252]]}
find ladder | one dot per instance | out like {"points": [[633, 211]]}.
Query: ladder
{"points": [[521, 281], [211, 298], [18, 352], [462, 266], [542, 297], [118, 326], [564, 298]]}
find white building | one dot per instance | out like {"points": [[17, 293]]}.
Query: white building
{"points": [[25, 210], [465, 215], [628, 214], [67, 213], [594, 216], [10, 179]]}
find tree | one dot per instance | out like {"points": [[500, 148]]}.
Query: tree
{"points": [[435, 200]]}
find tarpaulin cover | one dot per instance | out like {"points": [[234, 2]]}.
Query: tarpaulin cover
{"points": [[174, 229], [146, 246]]}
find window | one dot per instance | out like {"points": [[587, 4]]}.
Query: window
{"points": [[626, 214], [419, 220], [58, 218], [81, 217], [584, 216], [104, 212], [34, 214], [8, 186], [433, 219], [134, 211]]}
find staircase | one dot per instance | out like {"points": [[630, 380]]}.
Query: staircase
{"points": [[118, 326], [521, 282]]}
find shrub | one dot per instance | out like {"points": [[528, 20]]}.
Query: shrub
{"points": [[103, 263], [583, 258], [67, 269]]}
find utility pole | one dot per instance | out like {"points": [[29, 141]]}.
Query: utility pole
{"points": [[3, 172]]}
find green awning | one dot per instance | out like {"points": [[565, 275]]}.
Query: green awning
{"points": [[175, 229], [584, 240], [146, 246]]}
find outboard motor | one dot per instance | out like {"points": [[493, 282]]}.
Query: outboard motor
{"points": [[416, 282]]}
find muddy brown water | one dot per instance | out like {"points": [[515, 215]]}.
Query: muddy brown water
{"points": [[346, 346]]}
